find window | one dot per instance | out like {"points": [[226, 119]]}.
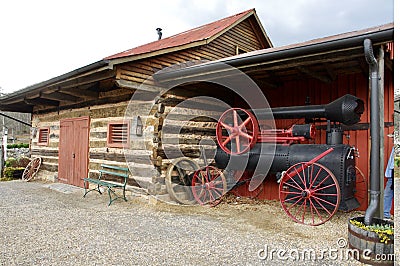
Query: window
{"points": [[240, 50], [43, 138], [118, 134]]}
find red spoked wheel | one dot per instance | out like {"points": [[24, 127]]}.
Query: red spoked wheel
{"points": [[236, 134], [361, 189], [31, 169], [309, 193], [208, 185]]}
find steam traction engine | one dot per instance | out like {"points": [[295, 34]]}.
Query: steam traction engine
{"points": [[315, 180]]}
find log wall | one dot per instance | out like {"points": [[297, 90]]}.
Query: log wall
{"points": [[100, 116]]}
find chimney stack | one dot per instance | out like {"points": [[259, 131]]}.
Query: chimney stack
{"points": [[159, 33]]}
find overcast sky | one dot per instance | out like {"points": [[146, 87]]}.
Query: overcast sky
{"points": [[42, 39]]}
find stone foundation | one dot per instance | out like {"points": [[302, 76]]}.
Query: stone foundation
{"points": [[18, 152]]}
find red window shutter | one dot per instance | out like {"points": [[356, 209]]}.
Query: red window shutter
{"points": [[118, 134], [43, 138]]}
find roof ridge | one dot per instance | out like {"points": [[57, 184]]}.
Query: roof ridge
{"points": [[213, 22], [168, 41]]}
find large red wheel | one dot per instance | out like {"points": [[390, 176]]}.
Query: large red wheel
{"points": [[208, 185], [361, 189], [236, 134], [309, 193]]}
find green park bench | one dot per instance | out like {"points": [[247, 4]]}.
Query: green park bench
{"points": [[120, 172]]}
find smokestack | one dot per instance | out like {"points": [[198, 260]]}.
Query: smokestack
{"points": [[159, 33]]}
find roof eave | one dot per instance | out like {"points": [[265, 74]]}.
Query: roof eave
{"points": [[29, 89], [249, 59]]}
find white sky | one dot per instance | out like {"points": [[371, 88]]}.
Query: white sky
{"points": [[42, 39]]}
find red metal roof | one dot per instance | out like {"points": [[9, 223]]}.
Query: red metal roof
{"points": [[197, 34]]}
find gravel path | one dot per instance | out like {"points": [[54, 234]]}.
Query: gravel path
{"points": [[40, 226]]}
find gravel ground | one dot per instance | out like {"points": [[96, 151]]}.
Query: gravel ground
{"points": [[41, 226]]}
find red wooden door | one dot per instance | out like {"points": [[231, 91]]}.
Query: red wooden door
{"points": [[65, 153], [73, 150]]}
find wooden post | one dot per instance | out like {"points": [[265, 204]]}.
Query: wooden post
{"points": [[2, 152], [5, 133], [381, 75], [1, 161]]}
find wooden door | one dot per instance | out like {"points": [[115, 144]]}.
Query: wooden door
{"points": [[73, 150], [65, 153]]}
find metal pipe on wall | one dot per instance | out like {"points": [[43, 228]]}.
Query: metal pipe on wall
{"points": [[375, 133]]}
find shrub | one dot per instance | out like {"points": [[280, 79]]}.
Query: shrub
{"points": [[20, 162], [23, 161], [11, 162], [17, 145], [13, 172]]}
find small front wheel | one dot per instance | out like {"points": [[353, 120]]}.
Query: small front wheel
{"points": [[208, 185]]}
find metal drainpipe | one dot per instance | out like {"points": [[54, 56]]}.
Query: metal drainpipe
{"points": [[374, 129]]}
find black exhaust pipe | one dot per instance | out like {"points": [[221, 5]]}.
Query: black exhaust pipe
{"points": [[374, 129], [346, 109]]}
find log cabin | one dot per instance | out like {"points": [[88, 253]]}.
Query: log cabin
{"points": [[118, 110]]}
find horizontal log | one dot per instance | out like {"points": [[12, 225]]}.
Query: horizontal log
{"points": [[98, 135], [42, 152], [192, 152], [144, 172], [141, 159], [172, 129], [180, 117], [49, 167], [193, 140]]}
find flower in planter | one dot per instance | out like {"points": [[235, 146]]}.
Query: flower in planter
{"points": [[384, 231]]}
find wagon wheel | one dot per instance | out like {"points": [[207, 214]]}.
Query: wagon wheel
{"points": [[178, 180], [208, 185], [310, 196], [242, 131], [31, 169], [361, 188]]}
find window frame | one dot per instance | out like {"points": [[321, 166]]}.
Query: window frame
{"points": [[40, 134], [240, 50], [110, 135]]}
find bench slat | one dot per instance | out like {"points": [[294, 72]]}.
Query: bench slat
{"points": [[114, 173], [115, 167], [103, 183]]}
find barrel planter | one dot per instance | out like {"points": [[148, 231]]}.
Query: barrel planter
{"points": [[18, 173], [370, 248]]}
